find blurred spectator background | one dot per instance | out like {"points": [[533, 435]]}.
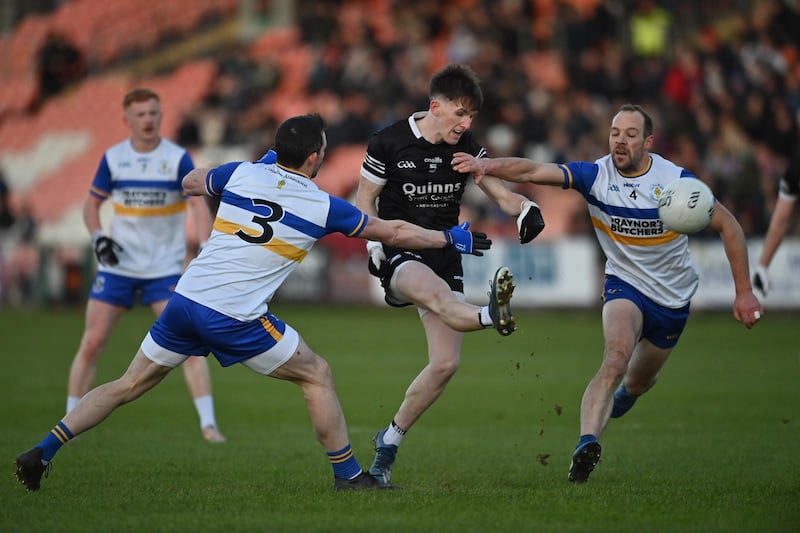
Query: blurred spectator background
{"points": [[720, 78]]}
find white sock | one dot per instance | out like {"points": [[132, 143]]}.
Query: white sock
{"points": [[205, 410], [484, 317], [72, 401], [393, 435]]}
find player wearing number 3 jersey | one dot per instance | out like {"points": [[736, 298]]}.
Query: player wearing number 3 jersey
{"points": [[269, 217]]}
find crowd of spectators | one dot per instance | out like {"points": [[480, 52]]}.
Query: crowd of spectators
{"points": [[721, 79]]}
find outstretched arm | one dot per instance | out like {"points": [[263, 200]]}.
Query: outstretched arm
{"points": [[746, 307], [516, 169], [509, 201], [404, 234], [529, 216]]}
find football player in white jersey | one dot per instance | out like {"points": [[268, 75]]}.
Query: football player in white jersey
{"points": [[650, 277], [144, 251], [269, 216]]}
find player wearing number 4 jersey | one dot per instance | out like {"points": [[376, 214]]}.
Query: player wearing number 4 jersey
{"points": [[269, 217], [650, 277]]}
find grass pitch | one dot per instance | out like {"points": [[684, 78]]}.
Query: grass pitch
{"points": [[710, 448]]}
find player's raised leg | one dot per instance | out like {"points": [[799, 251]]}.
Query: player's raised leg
{"points": [[501, 289]]}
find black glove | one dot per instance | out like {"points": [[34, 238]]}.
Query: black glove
{"points": [[761, 281], [529, 222], [377, 264], [105, 248]]}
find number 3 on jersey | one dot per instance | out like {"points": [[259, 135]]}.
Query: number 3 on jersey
{"points": [[276, 213]]}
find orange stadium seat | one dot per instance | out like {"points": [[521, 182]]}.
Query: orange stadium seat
{"points": [[18, 94], [94, 109], [341, 171]]}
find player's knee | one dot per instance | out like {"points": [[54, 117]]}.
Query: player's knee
{"points": [[91, 347], [614, 366], [322, 373], [444, 370]]}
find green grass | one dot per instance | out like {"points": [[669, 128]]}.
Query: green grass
{"points": [[710, 448]]}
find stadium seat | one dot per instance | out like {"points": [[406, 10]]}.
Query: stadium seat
{"points": [[341, 171], [93, 109]]}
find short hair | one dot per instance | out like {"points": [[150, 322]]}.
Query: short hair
{"points": [[458, 83], [139, 95], [648, 122], [297, 138]]}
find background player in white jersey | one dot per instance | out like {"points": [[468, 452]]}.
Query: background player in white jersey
{"points": [[779, 222], [406, 175], [269, 217], [650, 277], [145, 249]]}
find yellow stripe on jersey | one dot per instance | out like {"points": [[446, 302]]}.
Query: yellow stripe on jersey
{"points": [[275, 245], [99, 192], [173, 209], [667, 236], [289, 251], [274, 333], [231, 228], [358, 227]]}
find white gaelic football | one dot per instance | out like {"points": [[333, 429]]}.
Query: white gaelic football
{"points": [[686, 205]]}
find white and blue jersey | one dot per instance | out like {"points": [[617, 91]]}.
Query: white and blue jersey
{"points": [[149, 207], [268, 220], [639, 249]]}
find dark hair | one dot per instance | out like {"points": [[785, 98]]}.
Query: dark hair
{"points": [[458, 83], [648, 122], [297, 138], [139, 95]]}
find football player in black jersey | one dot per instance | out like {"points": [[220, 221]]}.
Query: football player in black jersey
{"points": [[407, 175], [779, 223]]}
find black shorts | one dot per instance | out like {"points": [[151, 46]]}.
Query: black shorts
{"points": [[445, 262]]}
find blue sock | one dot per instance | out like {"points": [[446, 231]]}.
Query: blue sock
{"points": [[57, 437], [586, 438], [623, 401], [344, 463]]}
